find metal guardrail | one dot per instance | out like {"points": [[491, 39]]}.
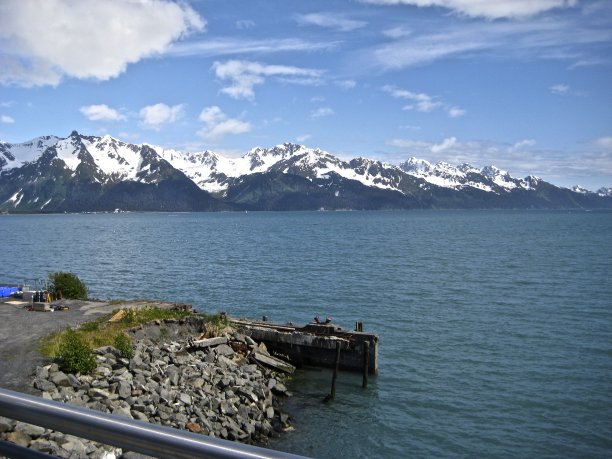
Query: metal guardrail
{"points": [[128, 434]]}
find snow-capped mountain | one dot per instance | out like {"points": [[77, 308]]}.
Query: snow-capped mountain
{"points": [[442, 174], [111, 160], [89, 173], [215, 173], [82, 172], [580, 189], [605, 192]]}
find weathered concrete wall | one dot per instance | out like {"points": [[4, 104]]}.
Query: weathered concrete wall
{"points": [[305, 348]]}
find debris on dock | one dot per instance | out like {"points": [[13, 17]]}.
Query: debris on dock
{"points": [[314, 344]]}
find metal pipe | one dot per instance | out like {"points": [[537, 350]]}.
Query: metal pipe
{"points": [[128, 434]]}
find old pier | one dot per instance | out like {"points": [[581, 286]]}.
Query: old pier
{"points": [[315, 344]]}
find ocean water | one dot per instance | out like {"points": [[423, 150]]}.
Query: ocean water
{"points": [[495, 326]]}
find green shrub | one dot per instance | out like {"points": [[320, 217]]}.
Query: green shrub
{"points": [[130, 317], [123, 344], [68, 285], [215, 324], [75, 355]]}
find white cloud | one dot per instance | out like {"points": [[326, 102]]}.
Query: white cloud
{"points": [[604, 142], [445, 145], [410, 127], [422, 101], [6, 119], [229, 46], [559, 89], [397, 32], [566, 39], [42, 42], [155, 116], [245, 75], [521, 145], [303, 138], [490, 9], [321, 112], [101, 112], [587, 62], [302, 81], [217, 125], [424, 49], [245, 24], [345, 84], [455, 112], [330, 21]]}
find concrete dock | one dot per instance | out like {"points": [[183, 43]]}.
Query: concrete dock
{"points": [[315, 344]]}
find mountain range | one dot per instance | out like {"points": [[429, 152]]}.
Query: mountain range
{"points": [[83, 173]]}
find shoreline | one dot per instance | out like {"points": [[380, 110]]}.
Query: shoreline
{"points": [[21, 331], [216, 391]]}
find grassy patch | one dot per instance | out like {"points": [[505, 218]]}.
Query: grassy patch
{"points": [[215, 324], [101, 332]]}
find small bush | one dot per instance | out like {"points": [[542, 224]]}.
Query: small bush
{"points": [[75, 355], [215, 324], [68, 285], [130, 318], [123, 344]]}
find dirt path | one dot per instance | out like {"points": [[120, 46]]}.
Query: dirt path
{"points": [[21, 331]]}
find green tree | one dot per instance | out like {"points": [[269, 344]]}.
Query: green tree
{"points": [[68, 285]]}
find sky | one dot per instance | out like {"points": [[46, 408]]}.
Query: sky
{"points": [[525, 85]]}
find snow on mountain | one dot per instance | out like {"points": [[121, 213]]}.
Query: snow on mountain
{"points": [[16, 154], [313, 163], [443, 174], [603, 191], [214, 173], [113, 160], [489, 178], [114, 157], [579, 189]]}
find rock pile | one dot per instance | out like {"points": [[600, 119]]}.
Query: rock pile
{"points": [[214, 391]]}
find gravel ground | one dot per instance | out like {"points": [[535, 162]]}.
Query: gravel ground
{"points": [[21, 331]]}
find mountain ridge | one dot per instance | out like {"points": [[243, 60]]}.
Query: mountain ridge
{"points": [[83, 173]]}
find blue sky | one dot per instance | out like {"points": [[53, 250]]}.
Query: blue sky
{"points": [[525, 85]]}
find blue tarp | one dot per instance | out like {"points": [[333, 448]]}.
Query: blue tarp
{"points": [[7, 291]]}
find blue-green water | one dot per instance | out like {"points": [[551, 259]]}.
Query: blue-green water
{"points": [[495, 327]]}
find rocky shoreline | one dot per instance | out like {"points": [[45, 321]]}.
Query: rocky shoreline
{"points": [[217, 390]]}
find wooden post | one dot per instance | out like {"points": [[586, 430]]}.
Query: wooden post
{"points": [[366, 363], [337, 364]]}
